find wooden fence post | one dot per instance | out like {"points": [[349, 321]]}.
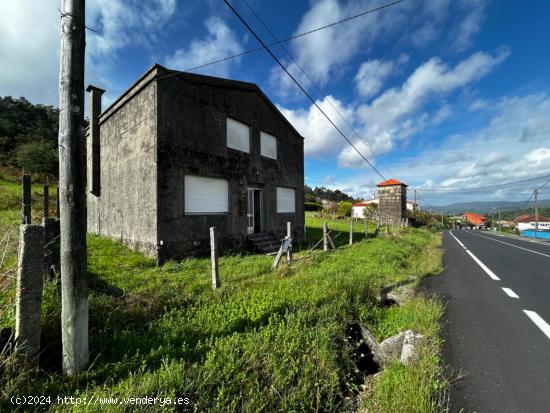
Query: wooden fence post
{"points": [[325, 236], [29, 293], [214, 259], [46, 201], [351, 231], [26, 200], [366, 221], [289, 236]]}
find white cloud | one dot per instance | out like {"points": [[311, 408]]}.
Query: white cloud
{"points": [[121, 22], [29, 44], [321, 138], [473, 12], [372, 74], [325, 54], [29, 39], [397, 113], [220, 41]]}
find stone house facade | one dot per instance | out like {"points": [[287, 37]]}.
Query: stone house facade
{"points": [[178, 153]]}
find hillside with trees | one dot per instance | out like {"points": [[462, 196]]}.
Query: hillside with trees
{"points": [[28, 136], [323, 193]]}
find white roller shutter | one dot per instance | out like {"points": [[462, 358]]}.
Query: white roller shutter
{"points": [[206, 195], [286, 200], [268, 145], [238, 135]]}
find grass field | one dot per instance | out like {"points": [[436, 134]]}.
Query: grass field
{"points": [[265, 341]]}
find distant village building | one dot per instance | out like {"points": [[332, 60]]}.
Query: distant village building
{"points": [[178, 153], [392, 202], [359, 207], [474, 220], [527, 222]]}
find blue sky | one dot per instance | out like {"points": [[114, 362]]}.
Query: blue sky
{"points": [[443, 94]]}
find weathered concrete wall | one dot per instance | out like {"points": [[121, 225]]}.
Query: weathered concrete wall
{"points": [[393, 204], [192, 140], [126, 208]]}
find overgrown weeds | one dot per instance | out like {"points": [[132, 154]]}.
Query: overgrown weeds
{"points": [[264, 341]]}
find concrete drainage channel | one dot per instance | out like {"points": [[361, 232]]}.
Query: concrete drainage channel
{"points": [[369, 355]]}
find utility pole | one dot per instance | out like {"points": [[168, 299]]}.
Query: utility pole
{"points": [[415, 204], [72, 184], [536, 194], [499, 221]]}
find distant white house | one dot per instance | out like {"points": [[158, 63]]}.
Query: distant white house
{"points": [[357, 209], [527, 222]]}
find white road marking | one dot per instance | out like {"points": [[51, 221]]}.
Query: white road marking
{"points": [[510, 293], [483, 266], [539, 322], [515, 246], [457, 240]]}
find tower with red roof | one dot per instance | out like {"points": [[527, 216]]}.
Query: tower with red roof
{"points": [[392, 208]]}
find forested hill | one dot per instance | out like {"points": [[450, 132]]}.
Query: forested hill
{"points": [[28, 136], [323, 193]]}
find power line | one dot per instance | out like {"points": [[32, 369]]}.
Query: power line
{"points": [[486, 187], [300, 86], [533, 193], [223, 59], [315, 85]]}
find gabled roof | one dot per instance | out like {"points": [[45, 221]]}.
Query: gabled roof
{"points": [[530, 218], [390, 182], [158, 72]]}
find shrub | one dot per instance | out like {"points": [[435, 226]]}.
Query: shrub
{"points": [[344, 209], [313, 206]]}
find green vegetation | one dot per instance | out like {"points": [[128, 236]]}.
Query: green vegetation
{"points": [[344, 208], [322, 193], [264, 341], [28, 135]]}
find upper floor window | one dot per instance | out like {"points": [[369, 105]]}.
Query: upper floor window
{"points": [[238, 135], [268, 145]]}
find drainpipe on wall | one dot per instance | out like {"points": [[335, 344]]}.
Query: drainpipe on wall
{"points": [[95, 111]]}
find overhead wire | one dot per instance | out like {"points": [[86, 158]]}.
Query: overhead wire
{"points": [[223, 59], [483, 187], [315, 85], [267, 48]]}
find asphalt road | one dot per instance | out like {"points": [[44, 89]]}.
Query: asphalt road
{"points": [[497, 341]]}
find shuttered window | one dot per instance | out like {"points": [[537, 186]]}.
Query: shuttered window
{"points": [[268, 145], [206, 195], [238, 135], [286, 200]]}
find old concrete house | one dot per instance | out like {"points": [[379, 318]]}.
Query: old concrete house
{"points": [[178, 153]]}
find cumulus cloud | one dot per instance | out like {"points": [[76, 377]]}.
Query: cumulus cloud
{"points": [[219, 41], [474, 13], [397, 113], [321, 138], [29, 39], [372, 74], [324, 55], [121, 22]]}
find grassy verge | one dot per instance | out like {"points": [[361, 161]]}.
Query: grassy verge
{"points": [[265, 341]]}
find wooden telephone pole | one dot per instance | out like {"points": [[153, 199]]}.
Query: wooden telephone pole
{"points": [[72, 192]]}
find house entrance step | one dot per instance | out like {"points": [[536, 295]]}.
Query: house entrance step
{"points": [[264, 243]]}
